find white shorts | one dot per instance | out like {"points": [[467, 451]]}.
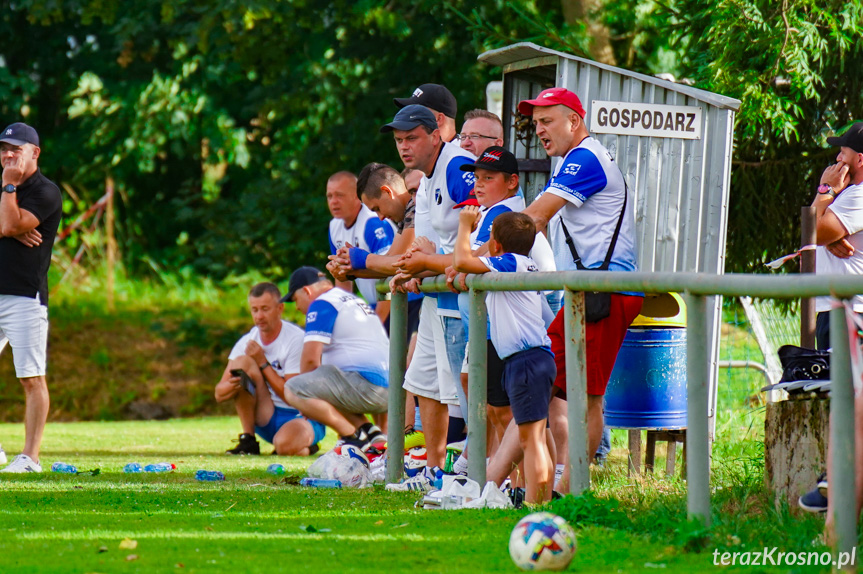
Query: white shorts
{"points": [[24, 321], [427, 376]]}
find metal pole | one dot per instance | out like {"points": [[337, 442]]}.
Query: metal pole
{"points": [[398, 360], [807, 265], [576, 390], [841, 471], [697, 439], [477, 380]]}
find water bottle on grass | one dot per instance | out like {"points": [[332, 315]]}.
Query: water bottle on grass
{"points": [[276, 469], [133, 467], [160, 467], [321, 482], [63, 467], [209, 475]]}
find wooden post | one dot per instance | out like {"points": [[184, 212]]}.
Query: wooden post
{"points": [[112, 245], [807, 265]]}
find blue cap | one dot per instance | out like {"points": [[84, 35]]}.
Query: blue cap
{"points": [[20, 134], [302, 277], [410, 117]]}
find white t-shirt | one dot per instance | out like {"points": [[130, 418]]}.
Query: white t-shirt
{"points": [[848, 208], [283, 353], [589, 180], [354, 339], [515, 316], [368, 232]]}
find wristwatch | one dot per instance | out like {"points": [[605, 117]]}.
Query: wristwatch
{"points": [[264, 366], [825, 189], [9, 188]]}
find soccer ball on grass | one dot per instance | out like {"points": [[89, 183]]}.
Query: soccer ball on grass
{"points": [[542, 541]]}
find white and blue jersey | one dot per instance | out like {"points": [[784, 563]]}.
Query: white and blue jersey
{"points": [[354, 339], [515, 316], [368, 232], [447, 186], [591, 183], [283, 354], [541, 253]]}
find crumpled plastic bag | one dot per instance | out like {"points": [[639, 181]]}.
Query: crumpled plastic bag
{"points": [[351, 472]]}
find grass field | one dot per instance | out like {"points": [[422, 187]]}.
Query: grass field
{"points": [[255, 522]]}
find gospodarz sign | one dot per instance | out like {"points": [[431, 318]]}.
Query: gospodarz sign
{"points": [[654, 120]]}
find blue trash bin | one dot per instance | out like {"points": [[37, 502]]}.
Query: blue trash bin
{"points": [[647, 389]]}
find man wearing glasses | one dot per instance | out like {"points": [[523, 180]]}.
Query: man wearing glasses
{"points": [[481, 130]]}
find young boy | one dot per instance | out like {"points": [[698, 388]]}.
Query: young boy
{"points": [[519, 335]]}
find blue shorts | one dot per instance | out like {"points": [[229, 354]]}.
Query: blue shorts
{"points": [[527, 379], [281, 417]]}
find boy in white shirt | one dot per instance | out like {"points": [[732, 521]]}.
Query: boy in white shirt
{"points": [[519, 335]]}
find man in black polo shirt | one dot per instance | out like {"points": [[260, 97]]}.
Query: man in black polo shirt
{"points": [[30, 213]]}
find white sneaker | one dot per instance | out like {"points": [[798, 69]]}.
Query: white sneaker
{"points": [[418, 483], [22, 463], [2, 456]]}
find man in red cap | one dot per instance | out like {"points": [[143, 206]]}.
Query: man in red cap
{"points": [[588, 213]]}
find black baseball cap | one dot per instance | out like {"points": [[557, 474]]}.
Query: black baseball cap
{"points": [[410, 117], [494, 158], [852, 138], [302, 277], [20, 134], [434, 96]]}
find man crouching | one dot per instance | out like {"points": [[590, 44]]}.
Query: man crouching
{"points": [[258, 366]]}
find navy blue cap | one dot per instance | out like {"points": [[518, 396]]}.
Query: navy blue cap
{"points": [[302, 277], [410, 117], [20, 134], [434, 96]]}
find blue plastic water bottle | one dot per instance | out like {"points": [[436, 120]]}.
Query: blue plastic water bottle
{"points": [[63, 467], [276, 469], [133, 467], [321, 482], [160, 467], [209, 475]]}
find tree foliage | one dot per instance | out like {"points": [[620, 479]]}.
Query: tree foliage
{"points": [[221, 121]]}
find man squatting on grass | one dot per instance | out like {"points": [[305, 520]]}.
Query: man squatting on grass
{"points": [[518, 334], [269, 354], [344, 368], [30, 213]]}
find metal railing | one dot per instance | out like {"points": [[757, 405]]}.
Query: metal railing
{"points": [[697, 288]]}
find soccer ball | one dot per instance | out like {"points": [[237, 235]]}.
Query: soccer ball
{"points": [[542, 541]]}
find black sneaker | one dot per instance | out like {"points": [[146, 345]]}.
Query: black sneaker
{"points": [[246, 444], [371, 435]]}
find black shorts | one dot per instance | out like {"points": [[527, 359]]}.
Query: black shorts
{"points": [[527, 378], [495, 394], [413, 318]]}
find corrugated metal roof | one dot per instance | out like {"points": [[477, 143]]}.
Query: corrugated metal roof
{"points": [[527, 50]]}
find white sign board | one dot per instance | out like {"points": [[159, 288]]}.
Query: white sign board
{"points": [[653, 120]]}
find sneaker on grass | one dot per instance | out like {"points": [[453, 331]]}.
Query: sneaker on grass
{"points": [[246, 444], [422, 482], [21, 464], [814, 501], [413, 438]]}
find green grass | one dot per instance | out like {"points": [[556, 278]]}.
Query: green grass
{"points": [[255, 522]]}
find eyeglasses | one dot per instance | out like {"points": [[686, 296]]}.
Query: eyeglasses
{"points": [[473, 137]]}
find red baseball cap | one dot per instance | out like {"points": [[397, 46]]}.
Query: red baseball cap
{"points": [[552, 97]]}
